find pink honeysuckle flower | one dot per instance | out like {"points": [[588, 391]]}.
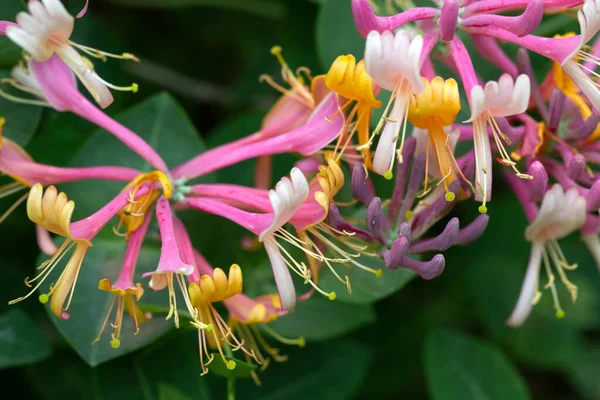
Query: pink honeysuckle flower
{"points": [[52, 81], [561, 213], [52, 211], [496, 99], [46, 30], [316, 133], [125, 290], [170, 266], [393, 61]]}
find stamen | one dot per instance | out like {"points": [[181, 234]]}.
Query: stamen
{"points": [[103, 55], [24, 101], [13, 207]]}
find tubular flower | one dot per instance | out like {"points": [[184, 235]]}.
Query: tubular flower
{"points": [[125, 291], [46, 31], [170, 267], [561, 213], [52, 211], [434, 108], [214, 332], [392, 60], [350, 80]]}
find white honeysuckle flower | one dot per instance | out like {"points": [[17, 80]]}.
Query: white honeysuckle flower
{"points": [[46, 30], [393, 62], [287, 197], [589, 24], [560, 214], [496, 99]]}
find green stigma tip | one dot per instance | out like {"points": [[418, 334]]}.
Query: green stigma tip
{"points": [[332, 296], [301, 342], [115, 343], [450, 196], [134, 88], [560, 314], [408, 215], [482, 209], [388, 175], [378, 273], [208, 328], [230, 365], [43, 298]]}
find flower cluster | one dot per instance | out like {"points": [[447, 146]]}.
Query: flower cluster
{"points": [[328, 120]]}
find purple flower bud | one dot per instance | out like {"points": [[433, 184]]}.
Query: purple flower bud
{"points": [[592, 199], [416, 177], [442, 242], [394, 257], [426, 269], [537, 185], [440, 207], [405, 231], [448, 20], [377, 221], [584, 130], [524, 66], [402, 170], [557, 108], [473, 231], [360, 185], [335, 220], [576, 166]]}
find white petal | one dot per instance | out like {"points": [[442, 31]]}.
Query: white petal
{"points": [[583, 81], [282, 275], [529, 289], [589, 24], [483, 160]]}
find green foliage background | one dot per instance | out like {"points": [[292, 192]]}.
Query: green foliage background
{"points": [[201, 59]]}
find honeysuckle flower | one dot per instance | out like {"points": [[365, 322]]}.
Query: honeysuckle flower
{"points": [[503, 98], [171, 269], [52, 211], [561, 213], [434, 108], [125, 290], [46, 30], [52, 81], [393, 62], [350, 80], [318, 131]]}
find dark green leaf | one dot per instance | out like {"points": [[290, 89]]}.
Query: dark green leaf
{"points": [[462, 368], [168, 392], [21, 119], [272, 9], [322, 319], [584, 375], [336, 34], [10, 53], [366, 287], [331, 371], [20, 340]]}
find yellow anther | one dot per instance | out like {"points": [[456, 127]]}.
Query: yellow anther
{"points": [[350, 80], [440, 101]]}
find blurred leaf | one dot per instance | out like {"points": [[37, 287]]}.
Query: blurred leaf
{"points": [[273, 9], [366, 287], [322, 319], [584, 375], [89, 306], [20, 340], [10, 53], [331, 371], [21, 119], [168, 392], [459, 367], [336, 34]]}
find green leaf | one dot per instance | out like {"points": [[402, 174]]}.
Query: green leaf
{"points": [[584, 375], [10, 53], [462, 368], [322, 319], [366, 287], [20, 340], [90, 306], [272, 9], [332, 371], [336, 34], [21, 119], [168, 392]]}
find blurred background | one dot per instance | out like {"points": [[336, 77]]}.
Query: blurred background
{"points": [[396, 337]]}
